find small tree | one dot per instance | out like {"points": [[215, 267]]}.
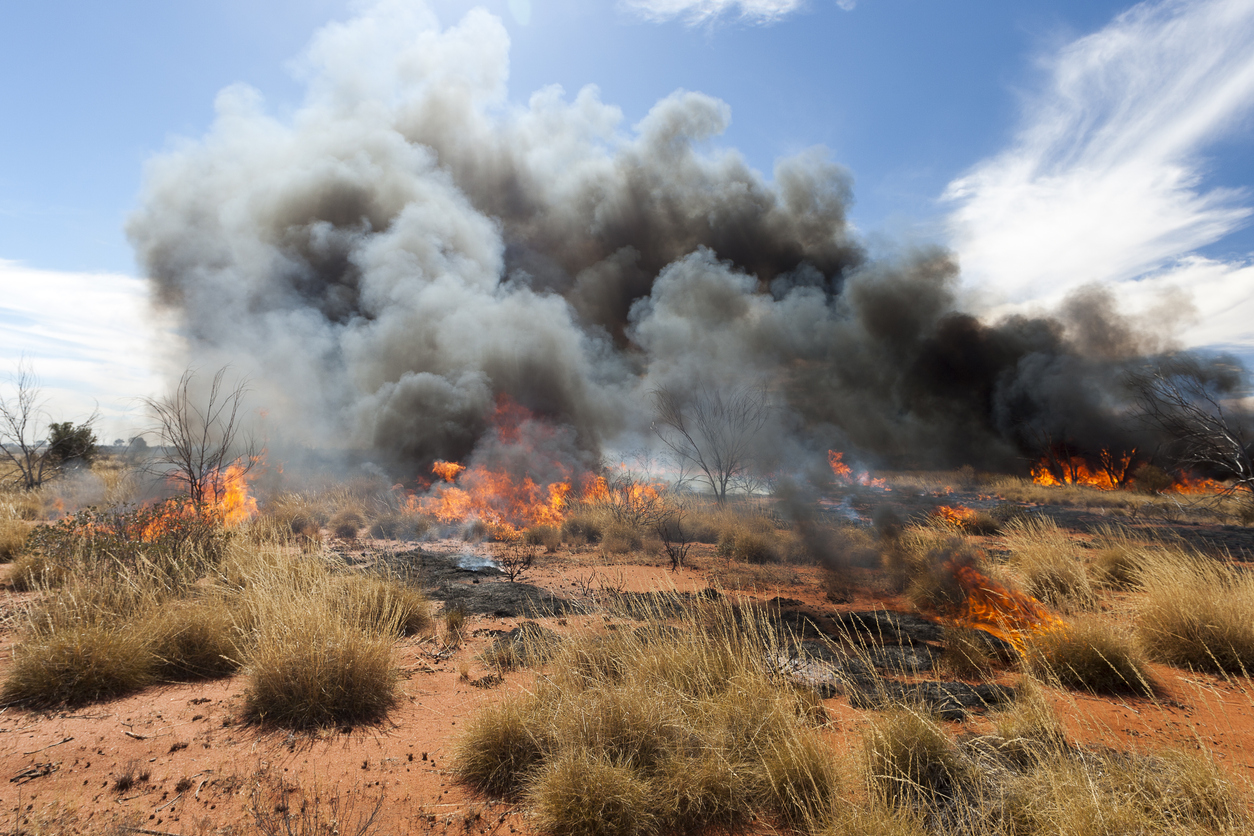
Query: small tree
{"points": [[1186, 400], [71, 445], [712, 431], [28, 439], [199, 436]]}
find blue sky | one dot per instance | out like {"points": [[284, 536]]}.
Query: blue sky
{"points": [[1049, 144]]}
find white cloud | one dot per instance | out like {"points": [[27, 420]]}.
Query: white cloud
{"points": [[1102, 182], [706, 11], [89, 337]]}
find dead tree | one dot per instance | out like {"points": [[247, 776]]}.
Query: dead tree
{"points": [[200, 436], [711, 431], [23, 428], [1187, 402]]}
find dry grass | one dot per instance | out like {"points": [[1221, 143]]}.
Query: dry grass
{"points": [[79, 664], [12, 538], [1028, 780], [318, 671], [1092, 655], [652, 729], [1049, 563], [1196, 612]]}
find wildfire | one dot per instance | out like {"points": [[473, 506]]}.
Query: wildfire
{"points": [[844, 473], [1005, 613], [1113, 471]]}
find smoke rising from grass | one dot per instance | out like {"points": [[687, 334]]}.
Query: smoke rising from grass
{"points": [[409, 245]]}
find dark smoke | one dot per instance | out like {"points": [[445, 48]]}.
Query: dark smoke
{"points": [[409, 246]]}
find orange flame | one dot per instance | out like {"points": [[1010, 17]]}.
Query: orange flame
{"points": [[447, 470], [1006, 613], [1112, 472], [844, 473], [958, 515]]}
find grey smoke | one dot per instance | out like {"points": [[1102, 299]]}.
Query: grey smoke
{"points": [[409, 245]]}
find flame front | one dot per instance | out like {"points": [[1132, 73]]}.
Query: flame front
{"points": [[1112, 472]]}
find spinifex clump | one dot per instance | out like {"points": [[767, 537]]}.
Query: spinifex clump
{"points": [[658, 728]]}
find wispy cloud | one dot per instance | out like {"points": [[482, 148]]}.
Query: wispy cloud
{"points": [[90, 338], [696, 12], [1102, 183]]}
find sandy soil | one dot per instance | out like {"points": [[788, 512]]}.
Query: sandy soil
{"points": [[199, 769]]}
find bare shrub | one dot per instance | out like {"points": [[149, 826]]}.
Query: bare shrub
{"points": [[314, 812]]}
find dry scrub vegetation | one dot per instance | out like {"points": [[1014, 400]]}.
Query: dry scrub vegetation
{"points": [[682, 719], [134, 597]]}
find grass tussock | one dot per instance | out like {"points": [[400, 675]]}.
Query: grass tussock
{"points": [[77, 665], [318, 672], [1196, 612], [123, 607], [654, 730], [1091, 655], [13, 535], [547, 536], [1026, 779], [1049, 563]]}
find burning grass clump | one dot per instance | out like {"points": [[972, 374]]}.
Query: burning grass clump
{"points": [[1090, 655], [1196, 612], [1049, 563], [658, 729]]}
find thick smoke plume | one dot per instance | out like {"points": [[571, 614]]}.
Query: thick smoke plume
{"points": [[408, 246]]}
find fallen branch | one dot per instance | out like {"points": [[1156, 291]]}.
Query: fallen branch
{"points": [[49, 746]]}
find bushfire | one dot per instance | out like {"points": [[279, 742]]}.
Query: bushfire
{"points": [[1112, 471]]}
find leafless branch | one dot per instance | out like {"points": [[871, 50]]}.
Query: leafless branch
{"points": [[1182, 399], [712, 431], [200, 435]]}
